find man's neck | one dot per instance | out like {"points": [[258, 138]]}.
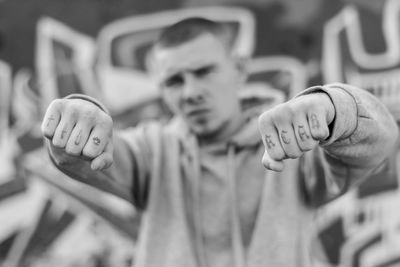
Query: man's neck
{"points": [[225, 133]]}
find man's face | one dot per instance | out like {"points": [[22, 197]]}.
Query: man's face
{"points": [[199, 81]]}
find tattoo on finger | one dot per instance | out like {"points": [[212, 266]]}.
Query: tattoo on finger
{"points": [[96, 140], [302, 133], [268, 141], [49, 120], [78, 138], [284, 137], [314, 121], [64, 132]]}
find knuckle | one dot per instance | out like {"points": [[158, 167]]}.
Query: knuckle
{"points": [[57, 104], [88, 114], [74, 112], [290, 110], [106, 122], [283, 114]]}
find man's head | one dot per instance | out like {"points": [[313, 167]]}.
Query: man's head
{"points": [[199, 77]]}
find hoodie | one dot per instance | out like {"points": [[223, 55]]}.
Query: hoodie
{"points": [[216, 205]]}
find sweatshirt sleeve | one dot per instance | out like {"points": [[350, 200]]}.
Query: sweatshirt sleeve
{"points": [[363, 136]]}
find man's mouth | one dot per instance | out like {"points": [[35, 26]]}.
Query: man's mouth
{"points": [[197, 112]]}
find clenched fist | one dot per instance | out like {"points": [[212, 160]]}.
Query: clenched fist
{"points": [[295, 127], [80, 128]]}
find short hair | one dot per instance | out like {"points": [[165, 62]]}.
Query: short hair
{"points": [[190, 28]]}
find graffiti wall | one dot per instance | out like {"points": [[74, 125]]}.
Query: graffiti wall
{"points": [[49, 49]]}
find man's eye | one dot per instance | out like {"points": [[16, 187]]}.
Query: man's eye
{"points": [[174, 81], [201, 72]]}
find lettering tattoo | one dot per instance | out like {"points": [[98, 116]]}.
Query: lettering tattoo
{"points": [[285, 139], [96, 141], [50, 119], [314, 121], [268, 141], [63, 133], [78, 138], [302, 133]]}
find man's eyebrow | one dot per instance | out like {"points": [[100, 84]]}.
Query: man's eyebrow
{"points": [[172, 75], [177, 72], [210, 65]]}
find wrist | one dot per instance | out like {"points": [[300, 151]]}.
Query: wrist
{"points": [[89, 99]]}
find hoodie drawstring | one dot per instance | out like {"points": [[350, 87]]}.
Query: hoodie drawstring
{"points": [[236, 232], [198, 237]]}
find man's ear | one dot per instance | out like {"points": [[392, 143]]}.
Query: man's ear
{"points": [[241, 65]]}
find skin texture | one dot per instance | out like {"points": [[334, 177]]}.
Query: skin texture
{"points": [[199, 81]]}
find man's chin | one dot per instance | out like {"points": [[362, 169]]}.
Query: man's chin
{"points": [[201, 127]]}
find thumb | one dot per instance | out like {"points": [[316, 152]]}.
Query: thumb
{"points": [[271, 164], [104, 160]]}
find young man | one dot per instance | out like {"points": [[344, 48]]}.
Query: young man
{"points": [[199, 180]]}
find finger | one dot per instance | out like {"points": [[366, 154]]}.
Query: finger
{"points": [[288, 141], [318, 126], [270, 137], [97, 141], [78, 138], [50, 121], [63, 131], [303, 135], [270, 164], [104, 160]]}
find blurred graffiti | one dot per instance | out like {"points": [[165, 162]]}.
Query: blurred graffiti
{"points": [[346, 57], [45, 216], [362, 228]]}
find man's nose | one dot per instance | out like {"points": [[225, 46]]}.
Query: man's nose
{"points": [[192, 91]]}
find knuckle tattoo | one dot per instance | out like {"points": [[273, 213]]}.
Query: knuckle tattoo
{"points": [[302, 133], [284, 137], [63, 132], [268, 141], [78, 138], [49, 120], [96, 140], [314, 121]]}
